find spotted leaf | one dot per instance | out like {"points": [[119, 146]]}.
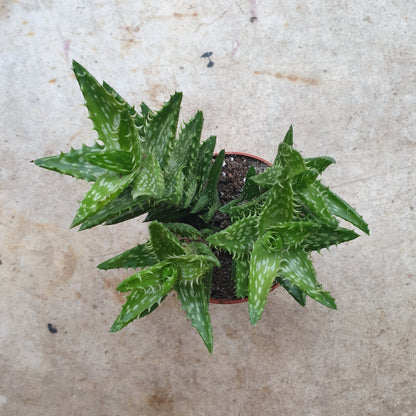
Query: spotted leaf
{"points": [[293, 233], [148, 289], [140, 256], [103, 107], [195, 302], [74, 163], [241, 272], [194, 266], [208, 200], [279, 206], [298, 269], [160, 129], [265, 263], [149, 181], [315, 200], [122, 208], [237, 238], [185, 151], [201, 169], [319, 163], [115, 161], [103, 191], [337, 206], [163, 273], [288, 157], [326, 236], [164, 244]]}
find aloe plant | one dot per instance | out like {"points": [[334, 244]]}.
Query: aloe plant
{"points": [[140, 163]]}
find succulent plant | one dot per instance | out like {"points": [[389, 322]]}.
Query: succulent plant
{"points": [[141, 164], [282, 216]]}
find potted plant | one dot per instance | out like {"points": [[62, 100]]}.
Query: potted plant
{"points": [[141, 164]]}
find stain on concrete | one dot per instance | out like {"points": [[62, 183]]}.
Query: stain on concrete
{"points": [[129, 36], [5, 9], [182, 15], [161, 399], [290, 77], [111, 285], [53, 259]]}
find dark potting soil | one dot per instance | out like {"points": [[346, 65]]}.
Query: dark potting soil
{"points": [[230, 186]]}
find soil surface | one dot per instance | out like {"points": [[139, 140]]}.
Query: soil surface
{"points": [[230, 186]]}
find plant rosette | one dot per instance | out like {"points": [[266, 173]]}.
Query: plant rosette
{"points": [[141, 163]]}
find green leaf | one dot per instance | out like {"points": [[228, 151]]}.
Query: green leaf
{"points": [[293, 290], [184, 230], [316, 201], [174, 187], [251, 189], [195, 302], [160, 129], [185, 152], [265, 263], [103, 191], [268, 177], [140, 256], [304, 179], [319, 163], [137, 302], [202, 166], [166, 212], [163, 242], [298, 269], [138, 120], [326, 236], [148, 288], [279, 205], [337, 206], [122, 208], [237, 210], [74, 163], [128, 137], [198, 247], [238, 238], [290, 158], [294, 233], [149, 182], [115, 161], [103, 107], [241, 272], [146, 111], [289, 137], [194, 266], [163, 273], [209, 197]]}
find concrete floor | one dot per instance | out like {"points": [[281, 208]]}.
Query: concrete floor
{"points": [[343, 73]]}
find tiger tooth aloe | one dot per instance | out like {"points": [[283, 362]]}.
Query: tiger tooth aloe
{"points": [[141, 163]]}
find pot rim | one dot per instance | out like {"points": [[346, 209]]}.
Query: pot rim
{"points": [[243, 300], [248, 155]]}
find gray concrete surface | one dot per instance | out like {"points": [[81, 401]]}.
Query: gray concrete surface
{"points": [[343, 73]]}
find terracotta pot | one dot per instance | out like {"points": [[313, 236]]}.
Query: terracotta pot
{"points": [[232, 301]]}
